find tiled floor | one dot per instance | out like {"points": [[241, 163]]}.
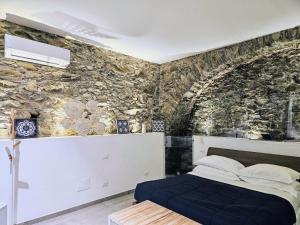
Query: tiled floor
{"points": [[93, 215]]}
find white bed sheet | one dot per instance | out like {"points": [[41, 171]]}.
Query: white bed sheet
{"points": [[295, 202]]}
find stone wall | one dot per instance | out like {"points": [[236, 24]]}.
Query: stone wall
{"points": [[125, 87], [250, 89]]}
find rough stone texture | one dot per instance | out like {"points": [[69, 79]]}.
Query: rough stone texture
{"points": [[125, 87], [240, 90], [245, 89]]}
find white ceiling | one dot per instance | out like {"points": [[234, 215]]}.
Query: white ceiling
{"points": [[158, 30]]}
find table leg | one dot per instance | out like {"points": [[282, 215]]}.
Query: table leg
{"points": [[108, 220]]}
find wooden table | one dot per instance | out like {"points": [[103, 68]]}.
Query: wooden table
{"points": [[146, 213]]}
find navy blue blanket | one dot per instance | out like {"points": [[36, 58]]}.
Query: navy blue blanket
{"points": [[214, 203]]}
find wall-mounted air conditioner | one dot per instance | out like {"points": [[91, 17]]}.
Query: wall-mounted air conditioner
{"points": [[36, 52]]}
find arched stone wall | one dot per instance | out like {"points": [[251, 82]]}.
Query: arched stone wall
{"points": [[249, 89]]}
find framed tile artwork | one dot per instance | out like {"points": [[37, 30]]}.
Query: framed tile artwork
{"points": [[158, 125], [26, 128], [122, 126]]}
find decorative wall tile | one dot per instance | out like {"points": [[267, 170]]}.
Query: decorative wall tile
{"points": [[122, 126], [158, 126], [26, 128]]}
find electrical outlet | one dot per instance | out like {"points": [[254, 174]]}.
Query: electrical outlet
{"points": [[84, 184]]}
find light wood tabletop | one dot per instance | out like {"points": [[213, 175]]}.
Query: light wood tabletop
{"points": [[148, 213]]}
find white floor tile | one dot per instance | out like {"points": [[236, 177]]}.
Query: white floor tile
{"points": [[93, 215]]}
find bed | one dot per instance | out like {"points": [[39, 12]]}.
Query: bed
{"points": [[213, 201]]}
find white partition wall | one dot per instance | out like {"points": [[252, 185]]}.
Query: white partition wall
{"points": [[5, 180], [55, 174], [202, 143]]}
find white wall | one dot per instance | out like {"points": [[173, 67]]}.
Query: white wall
{"points": [[5, 176], [55, 174], [202, 143], [3, 214]]}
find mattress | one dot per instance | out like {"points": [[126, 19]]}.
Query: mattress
{"points": [[213, 202]]}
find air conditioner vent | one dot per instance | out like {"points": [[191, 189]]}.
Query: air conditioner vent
{"points": [[36, 52]]}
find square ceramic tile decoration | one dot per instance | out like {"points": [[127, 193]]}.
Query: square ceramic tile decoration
{"points": [[158, 126], [122, 126], [26, 128]]}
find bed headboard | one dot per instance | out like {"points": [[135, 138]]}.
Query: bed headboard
{"points": [[250, 158]]}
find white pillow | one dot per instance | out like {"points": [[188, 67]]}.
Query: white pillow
{"points": [[221, 163], [292, 188], [271, 172], [209, 172]]}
